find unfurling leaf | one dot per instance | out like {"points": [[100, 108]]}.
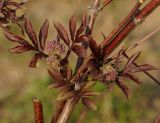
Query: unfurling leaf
{"points": [[123, 87], [65, 95], [82, 26], [79, 50], [43, 34], [89, 103], [31, 33], [131, 61], [62, 33], [55, 74], [12, 37], [20, 49], [34, 61], [72, 27], [93, 46], [145, 67], [90, 93]]}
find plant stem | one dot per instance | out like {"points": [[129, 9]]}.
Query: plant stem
{"points": [[91, 19], [67, 110], [121, 26], [38, 110], [59, 108], [138, 19], [144, 39]]}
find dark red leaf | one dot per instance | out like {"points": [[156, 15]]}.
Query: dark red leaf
{"points": [[89, 103], [90, 93], [12, 37], [79, 50], [123, 87], [20, 49], [82, 38], [118, 57], [133, 78], [65, 95], [82, 26], [57, 84], [93, 46], [34, 61], [55, 74], [31, 33], [62, 33], [145, 67], [72, 27], [131, 61], [43, 34]]}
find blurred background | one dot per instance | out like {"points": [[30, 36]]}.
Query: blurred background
{"points": [[18, 83]]}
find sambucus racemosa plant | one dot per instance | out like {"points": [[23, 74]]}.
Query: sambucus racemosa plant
{"points": [[92, 67]]}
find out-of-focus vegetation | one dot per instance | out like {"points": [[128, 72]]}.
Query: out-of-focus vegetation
{"points": [[18, 83]]}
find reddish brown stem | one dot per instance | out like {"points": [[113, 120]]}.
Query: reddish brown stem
{"points": [[153, 4], [38, 110], [89, 28], [122, 25]]}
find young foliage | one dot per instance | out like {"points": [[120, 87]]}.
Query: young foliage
{"points": [[92, 67]]}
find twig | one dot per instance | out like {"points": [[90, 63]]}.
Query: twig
{"points": [[144, 39], [138, 19], [121, 26], [138, 43], [38, 110]]}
